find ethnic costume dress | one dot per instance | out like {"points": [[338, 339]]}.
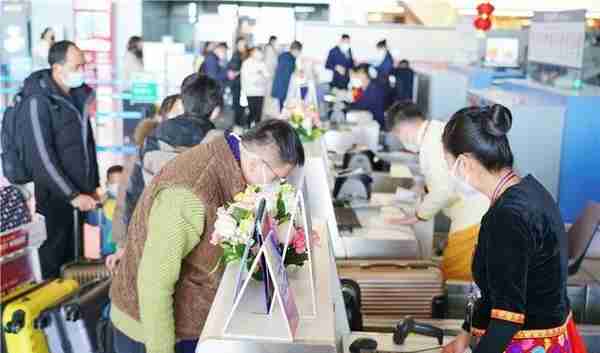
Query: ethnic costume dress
{"points": [[520, 266]]}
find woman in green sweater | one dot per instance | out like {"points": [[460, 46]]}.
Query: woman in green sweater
{"points": [[166, 281]]}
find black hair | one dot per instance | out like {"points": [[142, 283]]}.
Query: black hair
{"points": [[272, 39], [481, 131], [167, 105], [361, 68], [189, 78], [382, 44], [45, 31], [114, 170], [200, 96], [222, 45], [58, 52], [345, 36], [132, 43], [281, 134], [205, 50], [296, 45], [404, 62], [401, 112]]}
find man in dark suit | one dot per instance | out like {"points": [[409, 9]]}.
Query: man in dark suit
{"points": [[340, 61], [215, 65], [286, 65], [403, 91]]}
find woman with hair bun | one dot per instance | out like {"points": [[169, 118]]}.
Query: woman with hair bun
{"points": [[520, 263]]}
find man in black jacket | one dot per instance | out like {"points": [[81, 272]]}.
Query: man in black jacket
{"points": [[62, 151]]}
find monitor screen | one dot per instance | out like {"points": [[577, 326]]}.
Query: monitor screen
{"points": [[502, 52]]}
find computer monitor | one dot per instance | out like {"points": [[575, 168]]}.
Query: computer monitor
{"points": [[502, 52]]}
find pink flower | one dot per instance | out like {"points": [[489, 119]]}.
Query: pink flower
{"points": [[215, 238], [299, 241]]}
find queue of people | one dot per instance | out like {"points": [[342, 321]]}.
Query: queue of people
{"points": [[185, 170]]}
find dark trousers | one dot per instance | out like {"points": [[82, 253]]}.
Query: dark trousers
{"points": [[255, 104], [124, 344], [58, 249], [236, 93]]}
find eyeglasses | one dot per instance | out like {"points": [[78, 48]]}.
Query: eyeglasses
{"points": [[280, 178], [254, 155]]}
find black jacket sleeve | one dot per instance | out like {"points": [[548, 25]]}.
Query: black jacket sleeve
{"points": [[47, 169], [93, 158]]}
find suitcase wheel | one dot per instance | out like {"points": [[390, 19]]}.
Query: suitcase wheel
{"points": [[41, 322], [72, 312], [16, 323]]}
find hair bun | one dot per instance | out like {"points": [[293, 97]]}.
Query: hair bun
{"points": [[498, 121]]}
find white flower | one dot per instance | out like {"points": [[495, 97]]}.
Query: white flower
{"points": [[289, 200], [245, 229], [225, 225]]}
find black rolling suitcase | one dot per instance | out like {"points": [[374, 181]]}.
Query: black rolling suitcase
{"points": [[70, 327]]}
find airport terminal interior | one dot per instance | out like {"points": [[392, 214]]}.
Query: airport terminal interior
{"points": [[287, 176]]}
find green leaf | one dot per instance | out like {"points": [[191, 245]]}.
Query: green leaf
{"points": [[281, 211], [239, 214], [282, 220]]}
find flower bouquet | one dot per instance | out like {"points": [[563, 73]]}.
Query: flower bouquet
{"points": [[235, 225], [305, 120]]}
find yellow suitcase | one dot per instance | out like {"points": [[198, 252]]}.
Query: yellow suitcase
{"points": [[19, 317], [13, 295]]}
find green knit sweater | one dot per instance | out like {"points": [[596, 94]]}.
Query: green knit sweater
{"points": [[175, 226]]}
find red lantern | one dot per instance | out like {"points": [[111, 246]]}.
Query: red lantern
{"points": [[485, 8], [483, 24], [483, 21]]}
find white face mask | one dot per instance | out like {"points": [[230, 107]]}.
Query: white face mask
{"points": [[73, 79], [356, 82], [345, 47], [410, 143], [263, 167], [112, 190], [461, 184], [381, 54]]}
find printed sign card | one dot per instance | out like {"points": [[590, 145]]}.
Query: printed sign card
{"points": [[282, 321]]}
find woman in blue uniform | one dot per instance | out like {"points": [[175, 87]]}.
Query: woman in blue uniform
{"points": [[384, 67]]}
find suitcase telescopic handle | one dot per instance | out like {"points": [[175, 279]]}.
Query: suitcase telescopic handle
{"points": [[78, 233]]}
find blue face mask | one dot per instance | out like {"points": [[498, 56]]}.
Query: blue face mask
{"points": [[74, 79]]}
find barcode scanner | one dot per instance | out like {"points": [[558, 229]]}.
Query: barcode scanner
{"points": [[409, 325]]}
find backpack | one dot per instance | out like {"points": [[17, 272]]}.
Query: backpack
{"points": [[14, 166]]}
